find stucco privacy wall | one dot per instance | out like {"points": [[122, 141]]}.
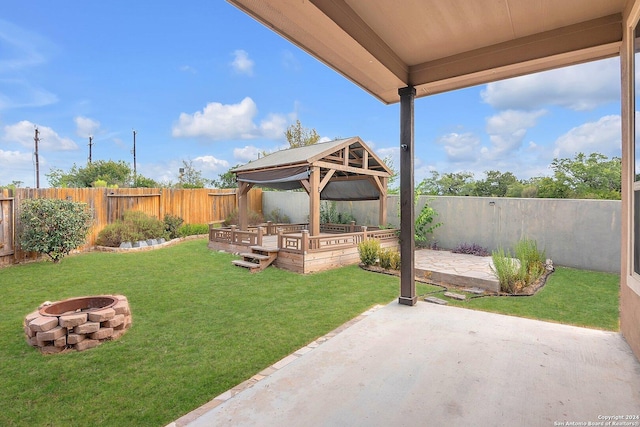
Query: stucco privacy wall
{"points": [[583, 234]]}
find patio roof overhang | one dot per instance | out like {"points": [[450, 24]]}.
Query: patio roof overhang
{"points": [[442, 45]]}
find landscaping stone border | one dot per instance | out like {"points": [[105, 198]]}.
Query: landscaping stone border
{"points": [[77, 330], [151, 247]]}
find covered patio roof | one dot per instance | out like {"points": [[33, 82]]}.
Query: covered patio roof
{"points": [[343, 169], [442, 45]]}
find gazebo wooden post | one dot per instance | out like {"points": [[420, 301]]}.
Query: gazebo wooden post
{"points": [[243, 205], [314, 201], [407, 224], [382, 215]]}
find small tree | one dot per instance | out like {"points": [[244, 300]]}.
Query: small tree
{"points": [[54, 227], [113, 172], [424, 225], [299, 136], [226, 180], [190, 177]]}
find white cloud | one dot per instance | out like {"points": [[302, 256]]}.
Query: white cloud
{"points": [[290, 62], [274, 126], [241, 63], [86, 127], [460, 147], [246, 153], [210, 163], [580, 87], [19, 93], [219, 121], [188, 69], [23, 133], [387, 151], [602, 136], [507, 130], [21, 49], [16, 166], [229, 122]]}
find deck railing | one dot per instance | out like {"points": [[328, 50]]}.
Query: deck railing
{"points": [[296, 238], [236, 237], [303, 242]]}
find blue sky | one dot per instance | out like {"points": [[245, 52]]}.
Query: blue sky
{"points": [[200, 81]]}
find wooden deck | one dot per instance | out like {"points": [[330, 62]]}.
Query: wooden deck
{"points": [[300, 252]]}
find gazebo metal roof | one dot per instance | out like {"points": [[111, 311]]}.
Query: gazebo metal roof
{"points": [[344, 169], [349, 170]]}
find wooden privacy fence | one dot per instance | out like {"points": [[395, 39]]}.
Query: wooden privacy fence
{"points": [[194, 206], [6, 224]]}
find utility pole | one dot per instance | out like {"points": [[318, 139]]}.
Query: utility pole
{"points": [[36, 139], [90, 145], [134, 158]]}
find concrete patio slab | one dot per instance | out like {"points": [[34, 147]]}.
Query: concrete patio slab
{"points": [[442, 365]]}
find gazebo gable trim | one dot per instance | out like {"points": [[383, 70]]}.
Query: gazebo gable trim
{"points": [[327, 160]]}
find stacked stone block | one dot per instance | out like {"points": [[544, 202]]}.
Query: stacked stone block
{"points": [[79, 330]]}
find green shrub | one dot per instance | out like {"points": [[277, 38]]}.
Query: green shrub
{"points": [[329, 214], [514, 274], [424, 225], [278, 217], [368, 251], [171, 225], [507, 270], [133, 227], [193, 229], [389, 259], [531, 260], [53, 227], [114, 234], [148, 226], [109, 236], [253, 218]]}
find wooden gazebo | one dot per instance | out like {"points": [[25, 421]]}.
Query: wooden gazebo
{"points": [[343, 169]]}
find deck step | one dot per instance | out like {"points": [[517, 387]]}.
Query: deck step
{"points": [[255, 256], [264, 249], [264, 257], [246, 264]]}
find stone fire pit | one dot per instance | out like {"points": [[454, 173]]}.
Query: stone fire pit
{"points": [[77, 323]]}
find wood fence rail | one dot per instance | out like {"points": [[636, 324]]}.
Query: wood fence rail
{"points": [[194, 206]]}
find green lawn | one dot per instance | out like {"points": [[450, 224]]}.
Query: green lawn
{"points": [[574, 297], [202, 326]]}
